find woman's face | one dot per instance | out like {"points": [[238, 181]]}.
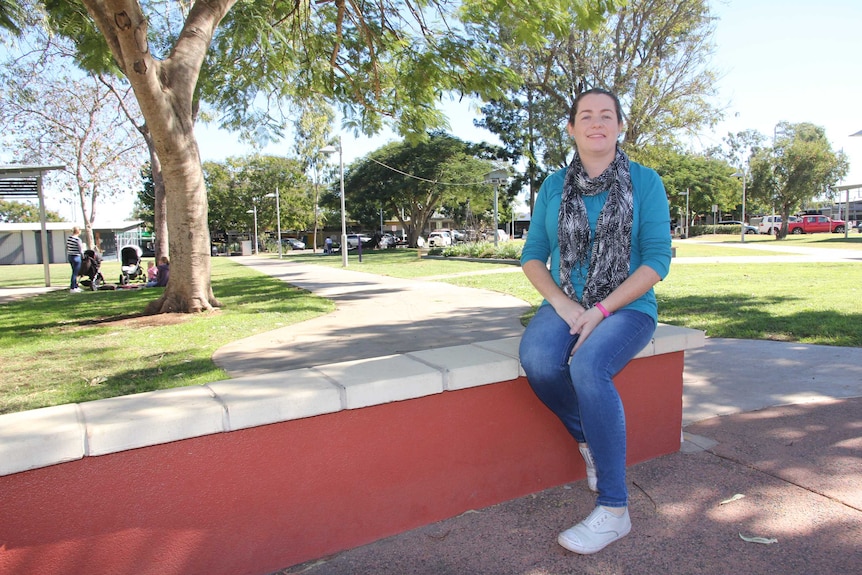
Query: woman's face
{"points": [[596, 126]]}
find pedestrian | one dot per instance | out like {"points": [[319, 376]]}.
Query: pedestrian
{"points": [[327, 245], [602, 222], [74, 253]]}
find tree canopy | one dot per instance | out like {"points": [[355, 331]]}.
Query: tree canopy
{"points": [[798, 167], [381, 61], [411, 180], [240, 185], [50, 115], [12, 212], [654, 54]]}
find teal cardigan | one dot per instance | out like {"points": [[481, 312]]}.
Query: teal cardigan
{"points": [[651, 234]]}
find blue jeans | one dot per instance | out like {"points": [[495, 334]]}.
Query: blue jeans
{"points": [[580, 390], [75, 262]]}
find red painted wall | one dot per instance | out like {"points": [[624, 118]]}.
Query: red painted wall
{"points": [[257, 500]]}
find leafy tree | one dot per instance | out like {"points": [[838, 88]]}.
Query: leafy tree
{"points": [[798, 167], [707, 180], [238, 184], [378, 60], [652, 53], [145, 203], [54, 117], [312, 135], [12, 212], [410, 181], [13, 16]]}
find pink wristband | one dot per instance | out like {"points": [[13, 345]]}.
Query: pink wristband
{"points": [[602, 309]]}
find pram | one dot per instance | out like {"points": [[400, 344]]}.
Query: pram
{"points": [[90, 264], [130, 264]]}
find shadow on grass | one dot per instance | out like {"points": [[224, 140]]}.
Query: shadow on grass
{"points": [[748, 317]]}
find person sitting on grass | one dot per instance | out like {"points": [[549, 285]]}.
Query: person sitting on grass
{"points": [[163, 272]]}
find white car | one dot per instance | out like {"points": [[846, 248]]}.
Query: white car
{"points": [[354, 239], [439, 239], [771, 224]]}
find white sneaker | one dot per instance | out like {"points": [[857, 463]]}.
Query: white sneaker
{"points": [[596, 532], [75, 290], [592, 478]]}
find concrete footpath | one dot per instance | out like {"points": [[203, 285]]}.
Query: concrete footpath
{"points": [[773, 449]]}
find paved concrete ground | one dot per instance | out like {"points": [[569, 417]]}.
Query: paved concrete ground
{"points": [[789, 443]]}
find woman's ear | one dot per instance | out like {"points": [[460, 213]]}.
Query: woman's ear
{"points": [[570, 129]]}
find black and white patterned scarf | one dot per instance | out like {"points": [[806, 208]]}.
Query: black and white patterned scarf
{"points": [[610, 258]]}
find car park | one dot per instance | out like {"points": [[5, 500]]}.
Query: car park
{"points": [[748, 229]]}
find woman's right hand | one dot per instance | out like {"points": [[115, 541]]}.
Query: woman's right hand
{"points": [[570, 311]]}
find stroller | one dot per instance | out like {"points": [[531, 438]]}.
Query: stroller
{"points": [[130, 264], [90, 264]]}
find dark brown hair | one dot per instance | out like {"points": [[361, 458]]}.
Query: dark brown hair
{"points": [[574, 111]]}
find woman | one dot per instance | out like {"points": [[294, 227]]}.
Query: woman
{"points": [[74, 253], [604, 224]]}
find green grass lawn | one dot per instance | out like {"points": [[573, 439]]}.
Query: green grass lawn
{"points": [[60, 347]]}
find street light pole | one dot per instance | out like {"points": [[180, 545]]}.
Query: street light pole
{"points": [[254, 211], [496, 179], [496, 220], [278, 219], [744, 176], [331, 150], [686, 193]]}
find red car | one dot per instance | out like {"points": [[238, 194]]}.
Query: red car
{"points": [[815, 224]]}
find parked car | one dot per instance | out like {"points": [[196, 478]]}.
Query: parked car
{"points": [[771, 224], [354, 239], [748, 229], [439, 239], [814, 224], [293, 243], [390, 240]]}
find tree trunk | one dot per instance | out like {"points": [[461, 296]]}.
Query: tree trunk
{"points": [[160, 218], [189, 288], [165, 94], [160, 208]]}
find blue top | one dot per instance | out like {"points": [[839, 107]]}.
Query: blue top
{"points": [[650, 230]]}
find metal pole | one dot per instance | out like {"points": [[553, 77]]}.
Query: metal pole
{"points": [[256, 243], [278, 223], [496, 193], [687, 196], [343, 213], [744, 177], [46, 260]]}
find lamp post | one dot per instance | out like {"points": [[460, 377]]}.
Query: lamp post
{"points": [[253, 210], [329, 150], [744, 176], [278, 219], [687, 194], [496, 178]]}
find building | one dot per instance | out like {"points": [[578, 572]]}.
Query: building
{"points": [[22, 243]]}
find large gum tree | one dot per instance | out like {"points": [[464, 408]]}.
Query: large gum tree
{"points": [[381, 62]]}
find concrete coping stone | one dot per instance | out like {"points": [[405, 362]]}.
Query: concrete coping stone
{"points": [[54, 435]]}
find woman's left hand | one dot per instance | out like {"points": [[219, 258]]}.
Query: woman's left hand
{"points": [[585, 324]]}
